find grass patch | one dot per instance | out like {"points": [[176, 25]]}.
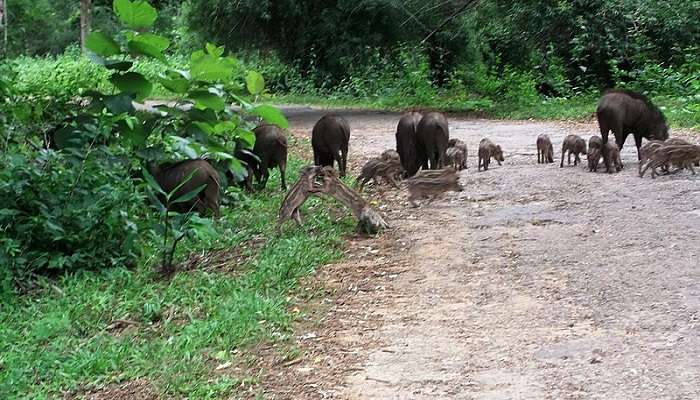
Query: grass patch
{"points": [[56, 339]]}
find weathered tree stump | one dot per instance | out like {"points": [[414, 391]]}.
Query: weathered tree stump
{"points": [[324, 181]]}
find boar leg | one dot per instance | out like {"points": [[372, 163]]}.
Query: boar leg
{"points": [[283, 167], [338, 158], [344, 158], [563, 152], [638, 143]]}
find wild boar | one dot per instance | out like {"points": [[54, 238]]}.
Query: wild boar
{"points": [[330, 140], [406, 142], [625, 112], [200, 173], [573, 144], [432, 137], [456, 143], [271, 150], [545, 150], [613, 163], [432, 185], [454, 157], [488, 149], [595, 152], [376, 168]]}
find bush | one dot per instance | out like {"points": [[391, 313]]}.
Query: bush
{"points": [[60, 214]]}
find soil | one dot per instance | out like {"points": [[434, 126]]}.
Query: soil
{"points": [[535, 282]]}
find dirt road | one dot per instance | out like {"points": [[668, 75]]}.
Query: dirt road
{"points": [[536, 282]]}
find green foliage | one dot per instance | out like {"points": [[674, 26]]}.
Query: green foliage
{"points": [[58, 214], [66, 333]]}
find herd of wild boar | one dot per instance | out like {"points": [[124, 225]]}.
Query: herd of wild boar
{"points": [[429, 160]]}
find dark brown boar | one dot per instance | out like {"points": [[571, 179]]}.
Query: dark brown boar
{"points": [[330, 140], [573, 144], [545, 150], [432, 137], [613, 162], [432, 185], [271, 150], [406, 142], [625, 112], [488, 149], [595, 152], [200, 172]]}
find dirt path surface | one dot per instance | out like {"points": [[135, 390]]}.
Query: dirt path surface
{"points": [[536, 282]]}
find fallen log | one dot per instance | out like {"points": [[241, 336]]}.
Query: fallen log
{"points": [[318, 181]]}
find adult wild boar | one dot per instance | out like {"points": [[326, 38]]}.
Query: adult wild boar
{"points": [[406, 142], [271, 148], [432, 137], [625, 112], [200, 172], [330, 139]]}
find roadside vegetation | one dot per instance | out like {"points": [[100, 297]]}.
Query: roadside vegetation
{"points": [[83, 302], [85, 239]]}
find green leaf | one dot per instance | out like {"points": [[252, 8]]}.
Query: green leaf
{"points": [[209, 68], [102, 45], [133, 133], [214, 50], [189, 195], [254, 82], [118, 65], [133, 83], [152, 181], [204, 127], [148, 44], [248, 137], [179, 86], [237, 169], [271, 115], [137, 14], [204, 99]]}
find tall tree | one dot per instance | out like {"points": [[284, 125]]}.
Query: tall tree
{"points": [[85, 20], [3, 25]]}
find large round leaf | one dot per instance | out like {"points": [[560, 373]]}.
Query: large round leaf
{"points": [[137, 14], [254, 82], [102, 45], [204, 99], [271, 115], [210, 68], [148, 44], [133, 83]]}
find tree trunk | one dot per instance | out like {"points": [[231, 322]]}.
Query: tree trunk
{"points": [[3, 26], [85, 20]]}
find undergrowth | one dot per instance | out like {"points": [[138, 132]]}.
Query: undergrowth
{"points": [[56, 338]]}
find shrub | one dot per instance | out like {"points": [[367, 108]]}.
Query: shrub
{"points": [[58, 213]]}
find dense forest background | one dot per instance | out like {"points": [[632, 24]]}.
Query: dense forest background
{"points": [[361, 48]]}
